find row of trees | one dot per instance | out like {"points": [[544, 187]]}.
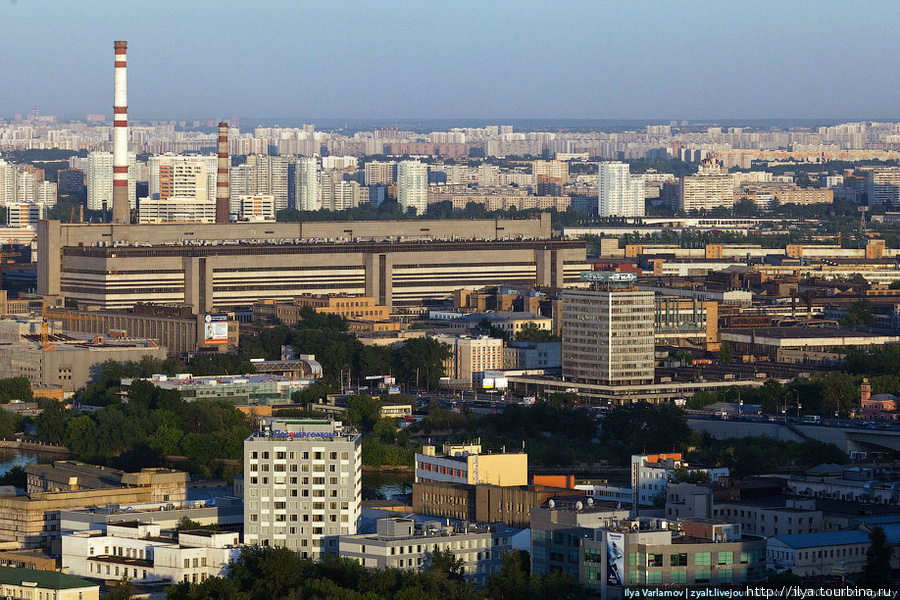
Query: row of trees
{"points": [[265, 573]]}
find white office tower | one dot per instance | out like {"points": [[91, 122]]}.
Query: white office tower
{"points": [[412, 186], [607, 336], [302, 485], [99, 179], [173, 175], [8, 176], [308, 176], [621, 194]]}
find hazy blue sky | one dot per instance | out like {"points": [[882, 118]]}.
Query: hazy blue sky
{"points": [[665, 59]]}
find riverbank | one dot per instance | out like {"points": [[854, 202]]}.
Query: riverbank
{"points": [[34, 447]]}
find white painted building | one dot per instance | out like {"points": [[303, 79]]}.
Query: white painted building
{"points": [[620, 193], [138, 552], [412, 186], [99, 180]]}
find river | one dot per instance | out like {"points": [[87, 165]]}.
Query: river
{"points": [[386, 484], [20, 458]]}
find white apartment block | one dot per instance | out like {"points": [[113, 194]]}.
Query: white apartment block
{"points": [[176, 209], [620, 193], [883, 186], [138, 552], [173, 175], [309, 196], [400, 543], [381, 173], [607, 336], [412, 186], [302, 485], [269, 177], [99, 180], [8, 176], [705, 192]]}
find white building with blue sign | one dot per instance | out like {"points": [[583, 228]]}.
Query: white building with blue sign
{"points": [[302, 485]]}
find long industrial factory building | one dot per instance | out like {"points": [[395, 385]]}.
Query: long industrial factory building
{"points": [[210, 267]]}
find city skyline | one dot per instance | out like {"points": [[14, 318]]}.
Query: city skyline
{"points": [[343, 60]]}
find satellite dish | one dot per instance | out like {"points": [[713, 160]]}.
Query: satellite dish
{"points": [[590, 501], [579, 505], [551, 504]]}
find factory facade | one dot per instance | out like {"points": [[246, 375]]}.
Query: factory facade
{"points": [[217, 267]]}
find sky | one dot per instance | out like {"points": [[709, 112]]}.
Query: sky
{"points": [[456, 59]]}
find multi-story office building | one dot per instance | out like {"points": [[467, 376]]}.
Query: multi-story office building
{"points": [[24, 214], [465, 463], [651, 474], [620, 193], [173, 176], [302, 485], [99, 178], [706, 553], [412, 186], [559, 528], [256, 208], [607, 336], [400, 543], [308, 177]]}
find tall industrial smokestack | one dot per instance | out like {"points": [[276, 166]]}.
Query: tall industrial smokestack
{"points": [[223, 191], [121, 205]]}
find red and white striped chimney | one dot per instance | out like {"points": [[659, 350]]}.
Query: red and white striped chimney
{"points": [[121, 204], [223, 190]]}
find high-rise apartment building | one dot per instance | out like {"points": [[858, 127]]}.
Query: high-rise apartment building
{"points": [[302, 485], [269, 177], [45, 193], [308, 176], [412, 186], [621, 194], [100, 180], [8, 176], [381, 173], [711, 188], [556, 171], [174, 176], [337, 194], [883, 186], [607, 336]]}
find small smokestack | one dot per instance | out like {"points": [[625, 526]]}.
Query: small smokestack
{"points": [[223, 191], [121, 205]]}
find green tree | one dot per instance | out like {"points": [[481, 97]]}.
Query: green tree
{"points": [[122, 591], [363, 412], [421, 360], [51, 423], [445, 564], [15, 388], [859, 314], [642, 427], [15, 476], [878, 560], [838, 393], [530, 332], [726, 354], [513, 581]]}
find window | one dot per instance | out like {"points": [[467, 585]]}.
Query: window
{"points": [[678, 560], [654, 560], [701, 576], [726, 558], [654, 577], [702, 559], [678, 577]]}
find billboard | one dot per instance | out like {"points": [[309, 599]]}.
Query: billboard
{"points": [[615, 558], [215, 330]]}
